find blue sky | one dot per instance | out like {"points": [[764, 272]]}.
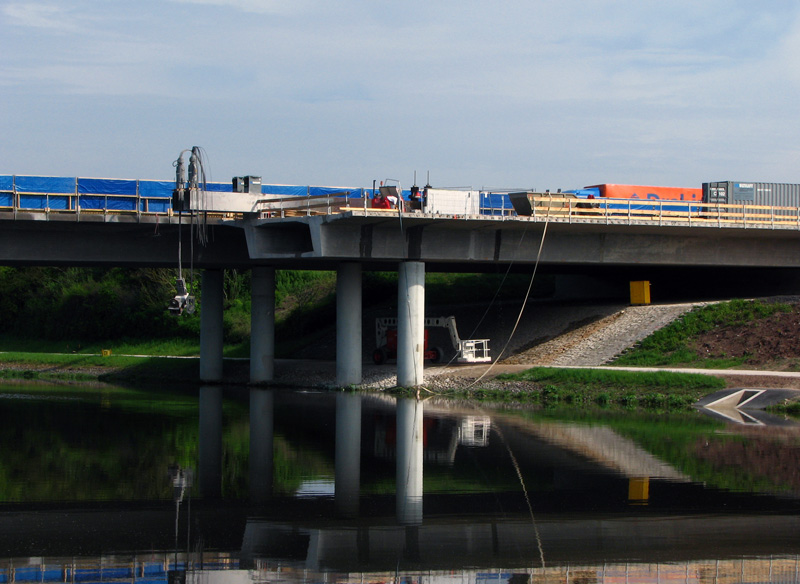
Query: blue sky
{"points": [[515, 94]]}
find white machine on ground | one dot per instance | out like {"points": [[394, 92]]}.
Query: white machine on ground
{"points": [[468, 351]]}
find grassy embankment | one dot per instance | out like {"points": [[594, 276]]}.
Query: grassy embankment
{"points": [[670, 346], [553, 387]]}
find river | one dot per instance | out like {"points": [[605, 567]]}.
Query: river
{"points": [[107, 484]]}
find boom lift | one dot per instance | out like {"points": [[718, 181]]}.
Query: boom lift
{"points": [[468, 351]]}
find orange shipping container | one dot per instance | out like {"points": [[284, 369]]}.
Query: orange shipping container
{"points": [[645, 192]]}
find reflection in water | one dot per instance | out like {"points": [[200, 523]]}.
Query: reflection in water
{"points": [[223, 569], [422, 492], [261, 444], [348, 454], [409, 461], [210, 445]]}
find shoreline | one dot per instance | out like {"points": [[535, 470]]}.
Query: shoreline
{"points": [[303, 373]]}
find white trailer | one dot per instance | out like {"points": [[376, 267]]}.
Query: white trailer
{"points": [[452, 202]]}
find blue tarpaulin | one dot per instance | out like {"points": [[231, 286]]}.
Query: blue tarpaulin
{"points": [[219, 187], [43, 184], [58, 202], [285, 190], [155, 196], [156, 188], [106, 186], [495, 203]]}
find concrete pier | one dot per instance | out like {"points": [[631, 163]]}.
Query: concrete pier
{"points": [[262, 325], [211, 327], [348, 324], [410, 323]]}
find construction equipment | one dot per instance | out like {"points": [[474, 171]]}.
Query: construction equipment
{"points": [[468, 351]]}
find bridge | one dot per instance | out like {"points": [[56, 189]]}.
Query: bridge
{"points": [[137, 223]]}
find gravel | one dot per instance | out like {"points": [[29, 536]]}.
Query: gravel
{"points": [[598, 342]]}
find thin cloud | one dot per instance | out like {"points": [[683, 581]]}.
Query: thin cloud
{"points": [[38, 15], [251, 6]]}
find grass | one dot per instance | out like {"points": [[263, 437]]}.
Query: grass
{"points": [[594, 387], [671, 345]]}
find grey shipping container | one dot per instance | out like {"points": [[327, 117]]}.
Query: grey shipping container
{"points": [[752, 193]]}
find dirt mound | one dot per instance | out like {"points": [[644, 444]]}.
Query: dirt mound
{"points": [[770, 343]]}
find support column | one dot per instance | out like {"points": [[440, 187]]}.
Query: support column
{"points": [[348, 324], [211, 327], [409, 461], [262, 325], [410, 323]]}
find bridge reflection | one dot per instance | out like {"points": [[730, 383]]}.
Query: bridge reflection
{"points": [[554, 499]]}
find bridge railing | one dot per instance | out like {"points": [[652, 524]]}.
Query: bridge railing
{"points": [[75, 196], [112, 198], [662, 212]]}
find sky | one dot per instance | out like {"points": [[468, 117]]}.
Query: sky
{"points": [[518, 94]]}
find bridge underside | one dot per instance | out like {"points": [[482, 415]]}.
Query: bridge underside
{"points": [[482, 244], [379, 243]]}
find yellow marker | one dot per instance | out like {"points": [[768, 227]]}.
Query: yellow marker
{"points": [[639, 490], [106, 352], [640, 292]]}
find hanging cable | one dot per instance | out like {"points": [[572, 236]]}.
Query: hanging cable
{"points": [[524, 302], [518, 470]]}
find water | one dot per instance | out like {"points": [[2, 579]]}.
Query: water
{"points": [[104, 484]]}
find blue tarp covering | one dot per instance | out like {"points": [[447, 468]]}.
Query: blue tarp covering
{"points": [[111, 203], [219, 187], [58, 202], [106, 186], [156, 188], [285, 190], [32, 202], [339, 191], [495, 202], [156, 196], [44, 184], [156, 206]]}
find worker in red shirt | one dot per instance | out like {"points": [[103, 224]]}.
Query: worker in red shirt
{"points": [[381, 202]]}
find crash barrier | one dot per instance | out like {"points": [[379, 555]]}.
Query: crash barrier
{"points": [[37, 195], [570, 209]]}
